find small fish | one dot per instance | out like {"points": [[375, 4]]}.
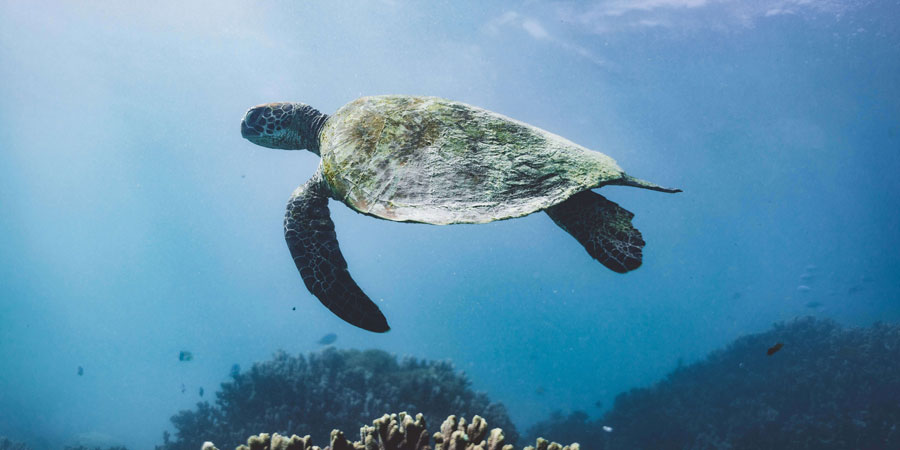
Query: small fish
{"points": [[803, 288], [328, 339], [813, 304], [599, 404], [771, 351], [201, 391], [540, 390], [854, 289], [235, 370], [185, 356], [183, 388], [607, 428], [80, 371], [736, 296]]}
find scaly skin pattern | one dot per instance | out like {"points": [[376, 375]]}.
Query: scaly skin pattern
{"points": [[603, 228], [313, 244], [284, 125], [430, 160]]}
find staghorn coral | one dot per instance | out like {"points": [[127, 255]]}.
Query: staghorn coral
{"points": [[333, 388], [401, 432], [828, 388]]}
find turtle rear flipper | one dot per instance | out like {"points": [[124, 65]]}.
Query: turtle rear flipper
{"points": [[310, 236], [602, 227]]}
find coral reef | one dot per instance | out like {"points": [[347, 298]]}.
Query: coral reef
{"points": [[326, 390], [828, 388], [82, 447], [401, 432], [6, 444], [576, 427]]}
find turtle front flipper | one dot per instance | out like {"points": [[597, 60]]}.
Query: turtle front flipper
{"points": [[310, 236], [602, 227]]}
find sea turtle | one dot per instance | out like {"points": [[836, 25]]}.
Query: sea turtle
{"points": [[431, 160]]}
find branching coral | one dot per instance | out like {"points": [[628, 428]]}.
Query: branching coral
{"points": [[827, 388], [334, 388], [401, 432]]}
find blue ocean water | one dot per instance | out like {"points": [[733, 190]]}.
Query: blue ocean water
{"points": [[137, 223]]}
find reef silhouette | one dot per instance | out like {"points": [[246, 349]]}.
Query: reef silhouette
{"points": [[828, 388], [326, 390], [8, 444]]}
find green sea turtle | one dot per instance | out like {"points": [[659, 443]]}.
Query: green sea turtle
{"points": [[430, 160]]}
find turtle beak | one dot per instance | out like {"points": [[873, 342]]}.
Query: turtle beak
{"points": [[247, 130]]}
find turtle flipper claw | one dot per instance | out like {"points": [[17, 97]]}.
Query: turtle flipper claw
{"points": [[603, 228], [310, 236]]}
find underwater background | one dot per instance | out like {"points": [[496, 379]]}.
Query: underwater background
{"points": [[137, 223]]}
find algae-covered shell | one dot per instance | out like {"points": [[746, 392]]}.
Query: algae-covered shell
{"points": [[431, 160]]}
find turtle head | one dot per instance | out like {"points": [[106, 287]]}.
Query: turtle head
{"points": [[283, 125]]}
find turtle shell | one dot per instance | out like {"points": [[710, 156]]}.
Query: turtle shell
{"points": [[430, 160]]}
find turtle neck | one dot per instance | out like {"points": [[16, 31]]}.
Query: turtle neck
{"points": [[310, 123]]}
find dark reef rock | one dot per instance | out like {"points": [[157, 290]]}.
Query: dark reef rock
{"points": [[326, 390], [828, 388], [401, 432], [82, 447], [6, 444]]}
